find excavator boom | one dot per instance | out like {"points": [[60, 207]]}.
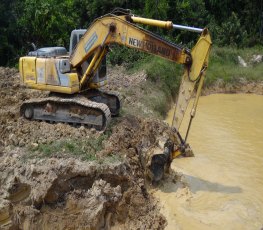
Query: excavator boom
{"points": [[115, 29]]}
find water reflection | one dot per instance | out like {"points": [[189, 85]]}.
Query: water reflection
{"points": [[197, 184]]}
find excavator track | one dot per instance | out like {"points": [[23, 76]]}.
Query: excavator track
{"points": [[77, 110], [110, 98]]}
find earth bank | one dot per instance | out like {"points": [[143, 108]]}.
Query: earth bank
{"points": [[65, 187]]}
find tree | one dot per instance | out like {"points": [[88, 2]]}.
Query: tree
{"points": [[48, 22], [9, 39]]}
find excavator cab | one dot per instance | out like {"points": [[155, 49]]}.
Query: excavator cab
{"points": [[75, 37]]}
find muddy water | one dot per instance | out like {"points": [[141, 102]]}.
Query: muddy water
{"points": [[223, 184]]}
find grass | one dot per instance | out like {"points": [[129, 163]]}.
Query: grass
{"points": [[149, 100], [224, 65], [82, 149]]}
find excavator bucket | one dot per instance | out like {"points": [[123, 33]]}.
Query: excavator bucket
{"points": [[159, 161]]}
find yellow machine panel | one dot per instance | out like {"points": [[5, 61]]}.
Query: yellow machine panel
{"points": [[51, 72], [28, 70], [41, 70], [45, 74]]}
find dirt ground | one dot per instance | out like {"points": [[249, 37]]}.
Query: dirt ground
{"points": [[62, 191]]}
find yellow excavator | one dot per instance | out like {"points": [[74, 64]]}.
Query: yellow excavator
{"points": [[74, 77]]}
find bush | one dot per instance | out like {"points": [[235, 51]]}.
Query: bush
{"points": [[230, 32], [124, 55], [164, 73]]}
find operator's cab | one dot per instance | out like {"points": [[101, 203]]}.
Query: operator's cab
{"points": [[49, 68], [75, 37], [100, 77]]}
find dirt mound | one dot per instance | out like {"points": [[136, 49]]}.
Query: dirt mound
{"points": [[58, 192], [119, 79], [68, 193]]}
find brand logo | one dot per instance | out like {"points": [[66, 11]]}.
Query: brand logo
{"points": [[149, 46], [91, 41]]}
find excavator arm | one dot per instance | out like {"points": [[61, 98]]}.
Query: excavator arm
{"points": [[123, 30], [115, 29], [193, 78]]}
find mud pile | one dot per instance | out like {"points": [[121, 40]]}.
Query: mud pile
{"points": [[119, 79], [65, 192]]}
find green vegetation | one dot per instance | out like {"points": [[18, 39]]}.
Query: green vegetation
{"points": [[149, 100], [165, 78], [163, 73], [82, 149], [124, 55], [224, 65]]}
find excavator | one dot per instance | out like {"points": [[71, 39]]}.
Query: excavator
{"points": [[74, 78]]}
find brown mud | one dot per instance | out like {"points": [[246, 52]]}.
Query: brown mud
{"points": [[63, 192]]}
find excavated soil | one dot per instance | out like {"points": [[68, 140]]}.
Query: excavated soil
{"points": [[64, 192]]}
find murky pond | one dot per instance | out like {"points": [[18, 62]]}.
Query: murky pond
{"points": [[225, 178]]}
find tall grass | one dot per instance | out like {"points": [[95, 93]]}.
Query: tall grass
{"points": [[224, 65], [161, 87]]}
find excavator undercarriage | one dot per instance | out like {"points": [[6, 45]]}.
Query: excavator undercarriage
{"points": [[75, 111], [93, 108]]}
